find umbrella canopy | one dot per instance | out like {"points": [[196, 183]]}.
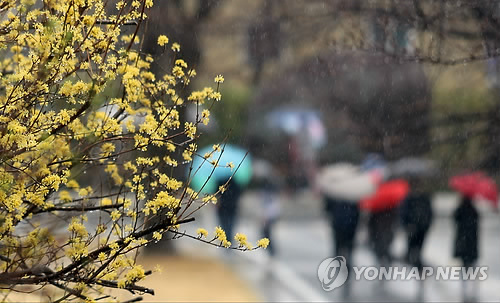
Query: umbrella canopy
{"points": [[293, 122], [389, 195], [206, 177], [413, 167], [347, 182], [474, 185]]}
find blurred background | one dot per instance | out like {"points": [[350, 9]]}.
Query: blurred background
{"points": [[373, 131]]}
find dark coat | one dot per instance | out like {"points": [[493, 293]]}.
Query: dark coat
{"points": [[381, 230], [344, 215], [416, 213], [416, 218], [467, 232], [344, 218]]}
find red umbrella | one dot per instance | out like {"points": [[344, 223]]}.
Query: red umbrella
{"points": [[474, 185], [388, 195]]}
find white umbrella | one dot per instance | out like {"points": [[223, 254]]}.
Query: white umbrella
{"points": [[413, 167], [347, 182]]}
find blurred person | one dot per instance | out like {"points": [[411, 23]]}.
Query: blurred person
{"points": [[344, 217], [382, 226], [466, 249], [227, 206], [272, 211], [416, 219], [382, 223], [467, 227], [269, 183], [296, 175], [209, 177]]}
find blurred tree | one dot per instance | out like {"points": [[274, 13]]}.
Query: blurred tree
{"points": [[391, 42], [264, 38], [417, 33], [183, 22]]}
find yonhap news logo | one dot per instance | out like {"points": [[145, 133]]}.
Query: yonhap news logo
{"points": [[333, 273], [439, 273]]}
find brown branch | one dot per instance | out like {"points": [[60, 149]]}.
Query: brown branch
{"points": [[131, 287], [80, 111], [138, 299], [76, 208], [109, 22], [69, 290], [137, 27]]}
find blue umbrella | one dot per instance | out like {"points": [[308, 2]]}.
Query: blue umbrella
{"points": [[206, 177]]}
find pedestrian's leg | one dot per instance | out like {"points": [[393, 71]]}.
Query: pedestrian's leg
{"points": [[421, 288], [475, 291], [228, 204], [227, 218], [464, 290], [267, 234], [411, 246]]}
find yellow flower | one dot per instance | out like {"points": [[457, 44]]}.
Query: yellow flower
{"points": [[114, 246], [102, 256], [135, 274], [205, 114], [222, 189], [77, 228], [158, 268], [220, 234], [181, 63], [226, 243], [65, 196], [242, 241], [106, 201], [176, 47], [264, 242], [219, 79], [72, 184], [190, 129], [210, 199], [115, 215], [201, 232], [157, 236], [240, 237], [84, 192]]}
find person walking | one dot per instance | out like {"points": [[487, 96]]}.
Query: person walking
{"points": [[466, 247], [416, 219], [343, 217], [269, 183], [381, 231], [227, 206]]}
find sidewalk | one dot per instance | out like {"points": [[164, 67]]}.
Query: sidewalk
{"points": [[192, 279], [303, 239]]}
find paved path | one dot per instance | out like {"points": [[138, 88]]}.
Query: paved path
{"points": [[303, 240]]}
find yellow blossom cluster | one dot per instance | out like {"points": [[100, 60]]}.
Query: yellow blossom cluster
{"points": [[201, 232], [264, 242], [80, 112], [242, 241], [220, 235], [75, 96]]}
